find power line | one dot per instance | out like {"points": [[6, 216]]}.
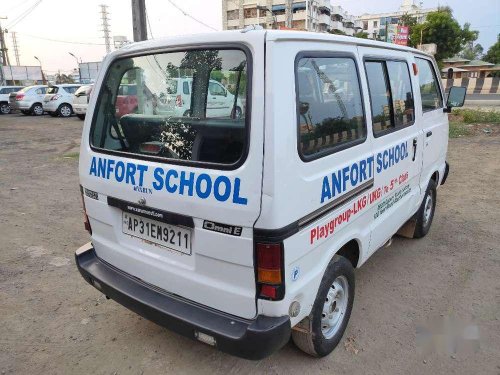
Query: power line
{"points": [[17, 6], [190, 16], [61, 41], [24, 14]]}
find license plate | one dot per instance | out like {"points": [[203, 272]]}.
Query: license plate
{"points": [[166, 235]]}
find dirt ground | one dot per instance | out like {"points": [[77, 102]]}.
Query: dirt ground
{"points": [[53, 322]]}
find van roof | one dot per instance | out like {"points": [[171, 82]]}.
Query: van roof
{"points": [[271, 35]]}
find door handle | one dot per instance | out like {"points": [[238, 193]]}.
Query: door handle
{"points": [[429, 133], [414, 149]]}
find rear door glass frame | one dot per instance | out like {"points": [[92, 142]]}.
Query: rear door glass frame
{"points": [[164, 160]]}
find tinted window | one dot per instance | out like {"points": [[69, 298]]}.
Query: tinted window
{"points": [[402, 95], [185, 88], [380, 96], [429, 88], [71, 89], [330, 111], [136, 115]]}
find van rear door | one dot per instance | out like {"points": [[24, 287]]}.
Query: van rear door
{"points": [[173, 200]]}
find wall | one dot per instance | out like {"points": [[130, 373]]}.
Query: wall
{"points": [[490, 85]]}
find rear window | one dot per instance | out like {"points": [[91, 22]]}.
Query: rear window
{"points": [[140, 112], [71, 89]]}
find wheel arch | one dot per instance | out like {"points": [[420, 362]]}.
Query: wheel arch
{"points": [[351, 251]]}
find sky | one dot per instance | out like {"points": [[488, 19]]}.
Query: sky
{"points": [[77, 22]]}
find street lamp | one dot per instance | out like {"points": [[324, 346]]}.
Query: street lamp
{"points": [[78, 64], [261, 7], [43, 76]]}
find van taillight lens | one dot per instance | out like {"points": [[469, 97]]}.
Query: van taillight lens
{"points": [[269, 270], [86, 221], [178, 101]]}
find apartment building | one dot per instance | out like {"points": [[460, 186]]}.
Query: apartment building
{"points": [[311, 15], [375, 24]]}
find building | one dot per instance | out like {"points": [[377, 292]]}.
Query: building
{"points": [[310, 15], [457, 67], [375, 25]]}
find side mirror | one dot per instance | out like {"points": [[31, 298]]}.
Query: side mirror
{"points": [[456, 98]]}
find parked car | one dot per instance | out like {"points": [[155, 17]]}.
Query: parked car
{"points": [[59, 99], [28, 100], [81, 101], [243, 232], [177, 100], [4, 97]]}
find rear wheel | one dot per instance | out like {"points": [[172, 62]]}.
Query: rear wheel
{"points": [[4, 108], [426, 211], [331, 310], [81, 117], [65, 110], [37, 109]]}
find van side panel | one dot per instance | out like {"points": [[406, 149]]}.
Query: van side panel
{"points": [[292, 187]]}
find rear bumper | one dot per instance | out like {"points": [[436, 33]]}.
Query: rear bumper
{"points": [[445, 175], [80, 109], [251, 339]]}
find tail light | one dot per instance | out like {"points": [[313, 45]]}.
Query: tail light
{"points": [[86, 221], [270, 282], [55, 97], [178, 101], [19, 97]]}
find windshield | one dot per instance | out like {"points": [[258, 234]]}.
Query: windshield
{"points": [[186, 106]]}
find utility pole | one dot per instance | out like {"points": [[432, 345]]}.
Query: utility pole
{"points": [[139, 20], [3, 47], [16, 48], [105, 27], [288, 14]]}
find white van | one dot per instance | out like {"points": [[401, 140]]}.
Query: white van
{"points": [[243, 231]]}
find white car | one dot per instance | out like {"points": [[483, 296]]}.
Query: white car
{"points": [[243, 231], [81, 101], [28, 100], [59, 99], [176, 100], [4, 97]]}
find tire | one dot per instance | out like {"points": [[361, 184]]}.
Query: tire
{"points": [[81, 117], [65, 110], [37, 109], [4, 109], [237, 113], [26, 113], [53, 114], [335, 294], [425, 213]]}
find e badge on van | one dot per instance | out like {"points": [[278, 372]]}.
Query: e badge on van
{"points": [[222, 228]]}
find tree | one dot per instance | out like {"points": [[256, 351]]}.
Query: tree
{"points": [[472, 52], [64, 78], [361, 34], [337, 32], [441, 28], [493, 54]]}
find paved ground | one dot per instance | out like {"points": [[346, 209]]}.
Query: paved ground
{"points": [[483, 100], [52, 322]]}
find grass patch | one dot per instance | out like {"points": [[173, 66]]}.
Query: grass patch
{"points": [[459, 129], [471, 116], [72, 155]]}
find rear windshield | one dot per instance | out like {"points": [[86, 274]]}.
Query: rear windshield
{"points": [[52, 90], [141, 111]]}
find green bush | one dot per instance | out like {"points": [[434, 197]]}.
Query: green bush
{"points": [[475, 116]]}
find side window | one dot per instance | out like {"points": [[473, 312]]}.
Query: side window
{"points": [[391, 95], [402, 95], [40, 91], [429, 88], [216, 89], [185, 88], [380, 96], [329, 105]]}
